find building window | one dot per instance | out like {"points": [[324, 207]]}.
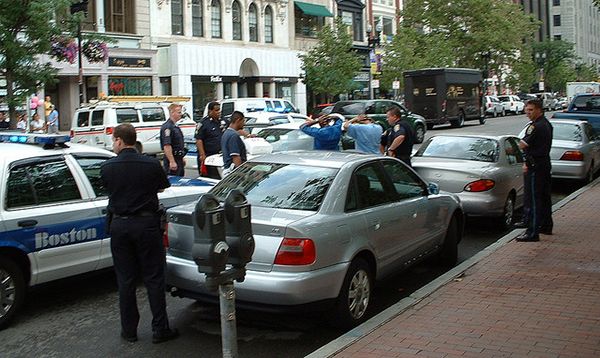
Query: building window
{"points": [[119, 16], [307, 25], [176, 17], [253, 23], [556, 20], [557, 37], [236, 20], [268, 25], [197, 21], [165, 86], [388, 28], [555, 2], [129, 86], [215, 21], [358, 27], [347, 19]]}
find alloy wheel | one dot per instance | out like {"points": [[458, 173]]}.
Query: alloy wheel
{"points": [[359, 294]]}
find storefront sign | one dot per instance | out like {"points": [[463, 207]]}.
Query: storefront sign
{"points": [[216, 79], [129, 62], [280, 79], [361, 77]]}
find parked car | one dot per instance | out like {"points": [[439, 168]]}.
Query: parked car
{"points": [[549, 101], [485, 172], [493, 106], [253, 104], [512, 103], [563, 102], [584, 107], [53, 212], [575, 151], [326, 226], [255, 121], [376, 109]]}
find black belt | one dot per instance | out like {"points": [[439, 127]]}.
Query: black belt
{"points": [[139, 214]]}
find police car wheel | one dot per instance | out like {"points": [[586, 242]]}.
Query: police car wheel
{"points": [[12, 290], [355, 295]]}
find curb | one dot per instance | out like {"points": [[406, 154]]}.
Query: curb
{"points": [[404, 304]]}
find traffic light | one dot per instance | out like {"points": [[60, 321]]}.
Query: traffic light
{"points": [[209, 251], [238, 229]]}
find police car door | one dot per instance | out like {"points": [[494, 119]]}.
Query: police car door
{"points": [[48, 214]]}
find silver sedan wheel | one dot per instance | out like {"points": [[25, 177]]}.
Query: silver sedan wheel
{"points": [[509, 209], [359, 294]]}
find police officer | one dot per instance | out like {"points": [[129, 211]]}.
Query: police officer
{"points": [[208, 138], [171, 142], [397, 141], [537, 172], [133, 181]]}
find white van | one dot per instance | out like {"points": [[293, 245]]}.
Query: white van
{"points": [[93, 124], [253, 104]]}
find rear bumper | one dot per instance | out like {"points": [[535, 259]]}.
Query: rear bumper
{"points": [[563, 169], [482, 203], [262, 288]]}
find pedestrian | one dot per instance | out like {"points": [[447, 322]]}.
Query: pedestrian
{"points": [[327, 136], [366, 133], [208, 138], [536, 145], [47, 105], [22, 123], [234, 150], [37, 125], [53, 120], [171, 142], [397, 141], [4, 121], [133, 181]]}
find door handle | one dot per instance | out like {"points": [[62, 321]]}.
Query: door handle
{"points": [[376, 225], [27, 223]]}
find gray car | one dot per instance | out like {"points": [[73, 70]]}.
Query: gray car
{"points": [[326, 226], [484, 171]]}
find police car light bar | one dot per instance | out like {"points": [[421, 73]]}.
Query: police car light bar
{"points": [[45, 139]]}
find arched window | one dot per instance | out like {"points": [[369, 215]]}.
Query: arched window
{"points": [[215, 21], [253, 23], [197, 18], [268, 25], [236, 20]]}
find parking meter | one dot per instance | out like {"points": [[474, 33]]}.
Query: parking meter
{"points": [[238, 229], [210, 249]]}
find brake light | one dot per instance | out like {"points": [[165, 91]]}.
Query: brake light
{"points": [[166, 236], [480, 185], [573, 155], [72, 133], [296, 252], [109, 130]]}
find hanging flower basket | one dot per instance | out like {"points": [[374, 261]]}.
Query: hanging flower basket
{"points": [[64, 49], [95, 51]]}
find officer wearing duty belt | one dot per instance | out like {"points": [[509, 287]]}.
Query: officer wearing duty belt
{"points": [[171, 142]]}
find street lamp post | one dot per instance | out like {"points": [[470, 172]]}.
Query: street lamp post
{"points": [[373, 40], [77, 7], [486, 62], [540, 58]]}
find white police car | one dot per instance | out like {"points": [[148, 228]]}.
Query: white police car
{"points": [[52, 212]]}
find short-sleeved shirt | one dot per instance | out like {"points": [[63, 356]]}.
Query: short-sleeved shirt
{"points": [[210, 131], [133, 181], [170, 134], [538, 137], [399, 128], [232, 144], [366, 136], [326, 138], [53, 118]]}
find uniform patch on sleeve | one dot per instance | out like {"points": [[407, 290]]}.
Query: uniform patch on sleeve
{"points": [[530, 129], [396, 127], [167, 132]]}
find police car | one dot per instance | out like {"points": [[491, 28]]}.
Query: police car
{"points": [[52, 212]]}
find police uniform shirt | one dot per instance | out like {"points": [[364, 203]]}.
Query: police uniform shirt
{"points": [[133, 181], [210, 131], [399, 128], [538, 137], [170, 134]]}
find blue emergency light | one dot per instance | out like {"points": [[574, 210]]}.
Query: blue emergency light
{"points": [[44, 139]]}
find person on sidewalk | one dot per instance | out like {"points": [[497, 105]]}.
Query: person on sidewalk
{"points": [[365, 132], [234, 149], [53, 120], [133, 181], [327, 136], [397, 141], [537, 173]]}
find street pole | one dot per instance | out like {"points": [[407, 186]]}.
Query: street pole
{"points": [[228, 322], [79, 56]]}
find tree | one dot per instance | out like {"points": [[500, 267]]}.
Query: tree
{"points": [[457, 33], [559, 63], [26, 31], [330, 66]]}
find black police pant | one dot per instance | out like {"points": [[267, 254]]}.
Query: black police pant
{"points": [[180, 171], [537, 209], [137, 250]]}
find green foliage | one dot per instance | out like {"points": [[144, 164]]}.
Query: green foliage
{"points": [[26, 29], [438, 33], [558, 65], [330, 66]]}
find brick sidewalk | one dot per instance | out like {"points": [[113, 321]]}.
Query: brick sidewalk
{"points": [[538, 299]]}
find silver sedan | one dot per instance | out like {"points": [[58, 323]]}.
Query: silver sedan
{"points": [[484, 171], [326, 225]]}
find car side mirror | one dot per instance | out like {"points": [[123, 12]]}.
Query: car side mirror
{"points": [[433, 188]]}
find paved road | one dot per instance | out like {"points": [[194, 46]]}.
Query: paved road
{"points": [[78, 316]]}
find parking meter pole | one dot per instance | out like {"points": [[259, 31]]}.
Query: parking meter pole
{"points": [[228, 321]]}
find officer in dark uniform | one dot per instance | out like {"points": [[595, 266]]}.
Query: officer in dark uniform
{"points": [[133, 181], [208, 138], [397, 141], [171, 142], [537, 173]]}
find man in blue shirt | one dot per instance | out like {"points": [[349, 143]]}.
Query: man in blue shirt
{"points": [[366, 133], [234, 150], [53, 120], [327, 137]]}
